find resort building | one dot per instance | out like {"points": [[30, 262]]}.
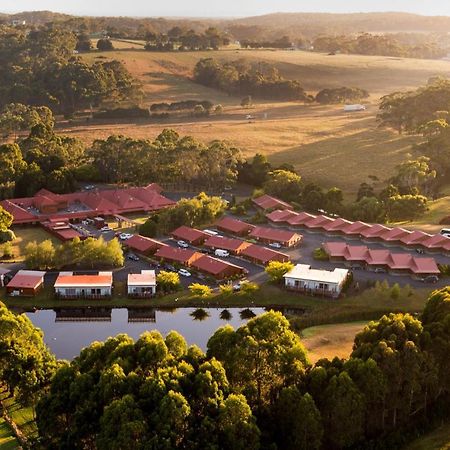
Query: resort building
{"points": [[141, 285], [70, 286], [316, 282], [234, 226], [269, 235], [26, 283], [190, 235]]}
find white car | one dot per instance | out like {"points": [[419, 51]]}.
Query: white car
{"points": [[275, 245], [105, 229], [182, 244], [125, 236], [184, 273]]}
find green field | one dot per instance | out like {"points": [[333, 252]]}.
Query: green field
{"points": [[7, 439], [325, 144]]}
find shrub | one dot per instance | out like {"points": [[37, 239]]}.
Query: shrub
{"points": [[120, 113], [249, 287], [168, 281], [7, 251], [7, 236], [200, 290], [320, 254], [276, 269], [226, 289]]}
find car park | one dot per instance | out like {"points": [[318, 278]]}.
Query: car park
{"points": [[125, 236], [133, 257], [275, 245], [182, 244], [184, 273]]}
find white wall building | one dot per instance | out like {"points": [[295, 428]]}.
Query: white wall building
{"points": [[314, 281], [72, 286], [142, 285]]}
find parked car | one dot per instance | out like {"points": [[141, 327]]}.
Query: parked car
{"points": [[170, 268], [249, 117], [419, 251], [133, 257], [182, 244], [275, 245], [89, 187], [184, 273], [221, 253], [431, 279], [105, 229], [237, 287], [125, 236], [380, 270]]}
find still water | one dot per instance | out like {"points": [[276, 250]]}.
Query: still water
{"points": [[67, 331]]}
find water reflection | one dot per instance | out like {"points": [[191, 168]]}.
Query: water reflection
{"points": [[68, 330], [226, 315]]}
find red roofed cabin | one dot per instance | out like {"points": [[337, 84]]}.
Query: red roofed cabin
{"points": [[177, 255], [25, 283], [70, 286], [217, 268], [262, 255], [234, 246], [270, 235], [234, 226], [143, 245], [190, 235], [266, 202]]}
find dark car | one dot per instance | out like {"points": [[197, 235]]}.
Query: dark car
{"points": [[170, 268], [431, 279], [133, 257]]}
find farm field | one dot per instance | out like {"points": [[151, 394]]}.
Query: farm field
{"points": [[328, 341], [325, 144]]}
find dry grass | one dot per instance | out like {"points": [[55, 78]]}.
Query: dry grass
{"points": [[324, 144], [328, 341]]}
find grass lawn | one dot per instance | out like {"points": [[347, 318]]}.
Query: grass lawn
{"points": [[439, 439], [26, 234], [328, 341]]}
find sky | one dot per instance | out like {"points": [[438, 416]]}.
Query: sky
{"points": [[228, 8]]}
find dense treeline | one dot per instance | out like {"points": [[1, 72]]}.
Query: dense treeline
{"points": [[39, 68], [239, 78], [86, 254], [283, 42], [254, 388], [57, 162], [185, 39], [378, 44], [341, 95]]}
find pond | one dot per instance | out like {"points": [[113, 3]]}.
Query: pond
{"points": [[67, 331]]}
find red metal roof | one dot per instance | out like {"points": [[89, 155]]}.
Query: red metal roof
{"points": [[143, 244], [281, 215], [356, 253], [214, 266], [378, 257], [268, 202], [356, 228], [180, 255], [416, 237], [83, 280], [436, 241], [20, 281], [273, 234], [234, 225], [395, 234], [335, 249], [263, 254], [20, 214], [301, 219], [319, 222], [375, 231], [189, 234], [225, 243], [338, 224], [425, 266]]}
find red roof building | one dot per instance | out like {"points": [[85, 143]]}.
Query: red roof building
{"points": [[415, 238], [217, 268], [262, 255], [319, 222], [394, 235], [355, 228], [80, 205], [190, 235], [396, 262], [143, 245], [62, 230], [235, 246], [271, 235], [177, 255], [266, 202], [336, 226], [435, 242], [234, 226], [25, 283], [281, 216], [375, 232], [301, 219]]}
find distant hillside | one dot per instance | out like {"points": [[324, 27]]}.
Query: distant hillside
{"points": [[36, 17]]}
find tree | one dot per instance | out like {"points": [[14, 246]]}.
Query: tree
{"points": [[283, 184], [40, 256], [168, 281], [298, 421], [333, 200], [6, 219], [105, 45], [406, 207], [260, 357], [276, 270], [247, 287], [200, 290], [83, 43]]}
